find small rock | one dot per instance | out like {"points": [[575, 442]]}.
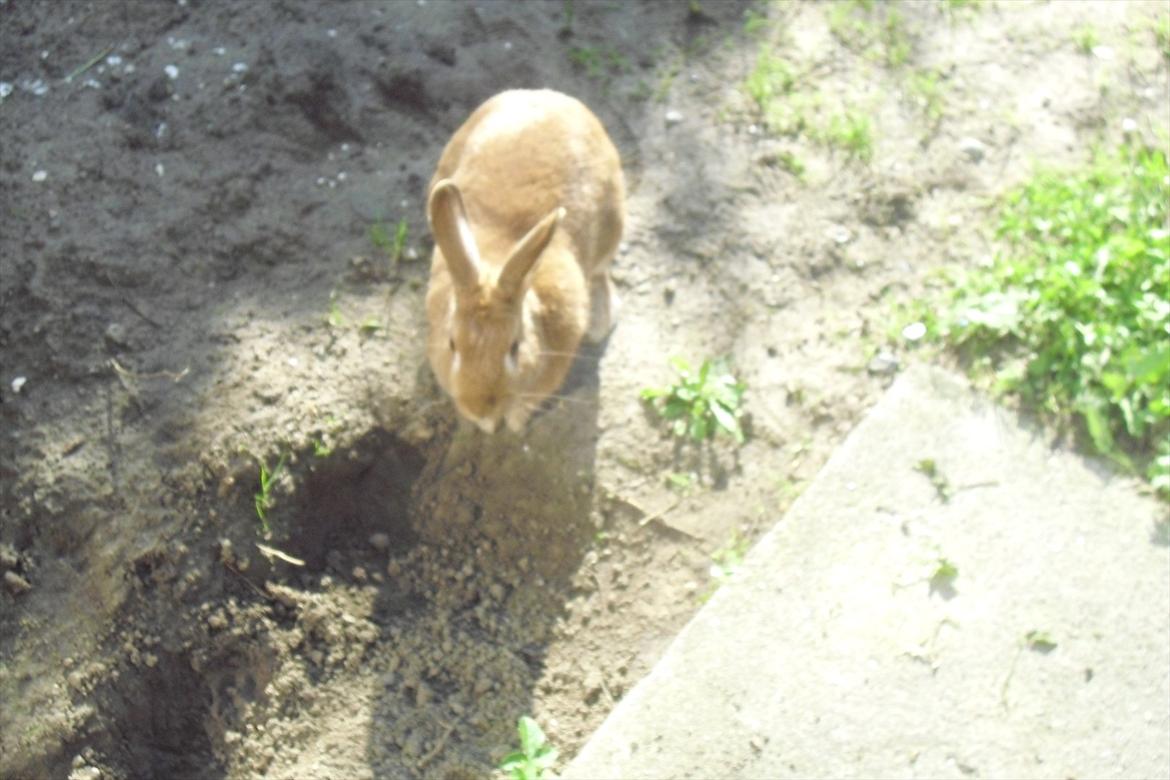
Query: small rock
{"points": [[116, 334], [673, 117], [839, 234], [172, 72], [18, 383], [883, 363], [973, 148], [86, 773], [39, 176], [16, 584], [914, 331], [380, 541], [268, 395]]}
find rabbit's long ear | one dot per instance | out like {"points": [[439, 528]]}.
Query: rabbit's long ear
{"points": [[514, 276], [452, 233]]}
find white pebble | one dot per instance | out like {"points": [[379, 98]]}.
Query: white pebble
{"points": [[159, 169], [342, 176], [838, 234], [219, 51], [1129, 126], [5, 89], [172, 72], [18, 383], [973, 148], [113, 60], [673, 117], [914, 331], [507, 46], [331, 32], [40, 176], [240, 67]]}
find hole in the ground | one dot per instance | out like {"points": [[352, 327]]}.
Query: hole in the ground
{"points": [[161, 715], [351, 496]]}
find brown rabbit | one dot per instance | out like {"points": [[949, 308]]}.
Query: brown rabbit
{"points": [[527, 206]]}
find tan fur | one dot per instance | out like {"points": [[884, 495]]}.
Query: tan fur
{"points": [[520, 268]]}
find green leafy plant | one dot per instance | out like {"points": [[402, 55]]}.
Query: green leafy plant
{"points": [[754, 22], [334, 319], [599, 63], [924, 86], [944, 576], [263, 499], [700, 402], [1161, 27], [852, 133], [534, 756], [1085, 39], [725, 561], [394, 246], [1073, 314], [938, 480]]}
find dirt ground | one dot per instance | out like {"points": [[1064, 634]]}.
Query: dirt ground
{"points": [[189, 290]]}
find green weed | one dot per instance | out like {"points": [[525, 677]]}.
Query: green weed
{"points": [[1085, 38], [754, 22], [787, 161], [334, 319], [725, 561], [1039, 641], [1161, 27], [772, 78], [880, 34], [700, 403], [924, 86], [928, 468], [852, 133], [944, 576], [392, 246], [681, 482], [263, 498], [599, 63], [957, 6], [1073, 314], [535, 755]]}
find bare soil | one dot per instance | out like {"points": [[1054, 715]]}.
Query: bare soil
{"points": [[189, 290]]}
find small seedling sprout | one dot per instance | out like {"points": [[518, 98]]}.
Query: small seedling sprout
{"points": [[263, 499], [535, 755]]}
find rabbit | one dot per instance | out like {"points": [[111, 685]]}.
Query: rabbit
{"points": [[527, 207]]}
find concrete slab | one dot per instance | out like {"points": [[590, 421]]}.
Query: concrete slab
{"points": [[841, 651]]}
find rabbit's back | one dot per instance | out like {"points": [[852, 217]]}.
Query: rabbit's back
{"points": [[524, 153]]}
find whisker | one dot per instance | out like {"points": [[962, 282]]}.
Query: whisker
{"points": [[570, 399], [575, 355]]}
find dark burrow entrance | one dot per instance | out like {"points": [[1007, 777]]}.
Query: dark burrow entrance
{"points": [[172, 715]]}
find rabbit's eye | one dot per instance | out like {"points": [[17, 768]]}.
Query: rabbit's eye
{"points": [[514, 350], [451, 343]]}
